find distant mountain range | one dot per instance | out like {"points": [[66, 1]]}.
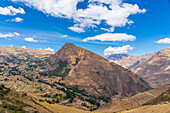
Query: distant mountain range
{"points": [[153, 68], [128, 61], [21, 51]]}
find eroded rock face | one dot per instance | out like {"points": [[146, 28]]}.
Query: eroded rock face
{"points": [[94, 73], [156, 70]]}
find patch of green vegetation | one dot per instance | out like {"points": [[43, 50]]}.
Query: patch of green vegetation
{"points": [[16, 108], [107, 90], [58, 71], [36, 92], [71, 93]]}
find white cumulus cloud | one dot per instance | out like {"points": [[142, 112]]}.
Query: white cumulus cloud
{"points": [[117, 50], [77, 29], [114, 13], [112, 37], [163, 41], [17, 19], [10, 10], [30, 39], [9, 35], [50, 49]]}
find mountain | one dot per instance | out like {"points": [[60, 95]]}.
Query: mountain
{"points": [[73, 76], [156, 70], [93, 73], [137, 101], [128, 61]]}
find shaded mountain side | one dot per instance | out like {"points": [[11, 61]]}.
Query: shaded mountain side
{"points": [[95, 74], [128, 61], [135, 101], [156, 70], [115, 57]]}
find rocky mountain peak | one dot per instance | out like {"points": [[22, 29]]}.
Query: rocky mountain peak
{"points": [[93, 73]]}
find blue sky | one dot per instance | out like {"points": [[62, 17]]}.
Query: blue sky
{"points": [[102, 26]]}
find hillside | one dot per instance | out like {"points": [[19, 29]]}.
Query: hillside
{"points": [[135, 101], [156, 70], [162, 98], [14, 102]]}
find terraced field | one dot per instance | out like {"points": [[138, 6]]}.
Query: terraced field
{"points": [[134, 101], [161, 108], [56, 108]]}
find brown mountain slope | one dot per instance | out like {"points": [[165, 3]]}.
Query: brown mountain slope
{"points": [[156, 70], [99, 77], [133, 102], [128, 61]]}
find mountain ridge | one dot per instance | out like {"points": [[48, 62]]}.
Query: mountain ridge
{"points": [[20, 50]]}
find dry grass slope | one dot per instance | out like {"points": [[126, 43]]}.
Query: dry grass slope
{"points": [[161, 108], [56, 108], [134, 101]]}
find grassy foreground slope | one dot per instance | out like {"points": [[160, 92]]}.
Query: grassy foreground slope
{"points": [[56, 108], [161, 108], [15, 102]]}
